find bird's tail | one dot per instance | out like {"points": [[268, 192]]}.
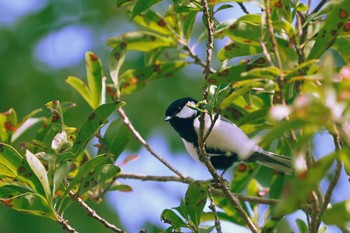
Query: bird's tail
{"points": [[274, 161]]}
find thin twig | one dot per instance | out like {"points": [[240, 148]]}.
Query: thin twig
{"points": [[145, 144], [319, 6], [212, 207], [188, 180], [66, 225], [94, 215]]}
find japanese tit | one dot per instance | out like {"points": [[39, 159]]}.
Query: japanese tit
{"points": [[226, 143]]}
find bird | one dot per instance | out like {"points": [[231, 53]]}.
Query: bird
{"points": [[226, 143]]}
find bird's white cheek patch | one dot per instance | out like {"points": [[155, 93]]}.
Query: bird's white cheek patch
{"points": [[187, 112]]}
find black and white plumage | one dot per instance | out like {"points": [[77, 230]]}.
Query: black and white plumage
{"points": [[226, 143]]}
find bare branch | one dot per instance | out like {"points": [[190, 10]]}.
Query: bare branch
{"points": [[142, 177], [212, 207], [94, 215], [66, 225], [145, 144]]}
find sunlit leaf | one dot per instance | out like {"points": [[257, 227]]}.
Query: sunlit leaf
{"points": [[24, 127], [39, 170], [26, 202], [153, 21], [122, 2], [94, 77], [81, 88], [92, 124], [9, 158], [342, 45], [141, 41], [238, 49], [190, 19], [195, 200], [121, 188]]}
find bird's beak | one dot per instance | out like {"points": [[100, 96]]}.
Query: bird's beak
{"points": [[168, 118]]}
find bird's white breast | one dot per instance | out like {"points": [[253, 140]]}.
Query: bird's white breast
{"points": [[228, 137], [191, 149]]}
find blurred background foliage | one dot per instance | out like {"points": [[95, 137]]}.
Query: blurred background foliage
{"points": [[41, 43]]}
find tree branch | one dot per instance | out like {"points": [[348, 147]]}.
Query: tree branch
{"points": [[66, 225], [94, 215], [145, 144], [213, 209]]}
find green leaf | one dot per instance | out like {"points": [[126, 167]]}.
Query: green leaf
{"points": [[242, 174], [121, 188], [235, 49], [241, 72], [142, 5], [9, 159], [116, 137], [338, 214], [116, 60], [245, 30], [188, 24], [122, 2], [94, 77], [153, 21], [92, 124], [141, 41], [88, 167], [302, 226], [342, 45], [195, 200], [39, 170], [8, 125], [134, 79], [81, 88], [61, 172], [96, 177], [26, 202], [297, 191], [337, 16], [170, 217]]}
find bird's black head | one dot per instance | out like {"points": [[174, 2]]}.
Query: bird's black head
{"points": [[181, 118], [179, 109]]}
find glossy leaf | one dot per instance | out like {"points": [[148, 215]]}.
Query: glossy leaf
{"points": [[94, 77], [9, 159], [134, 79], [26, 202], [297, 191], [302, 226], [92, 124], [116, 60], [141, 41], [81, 88], [97, 176], [40, 172], [153, 21], [195, 200], [116, 137], [8, 125], [121, 188], [336, 18]]}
